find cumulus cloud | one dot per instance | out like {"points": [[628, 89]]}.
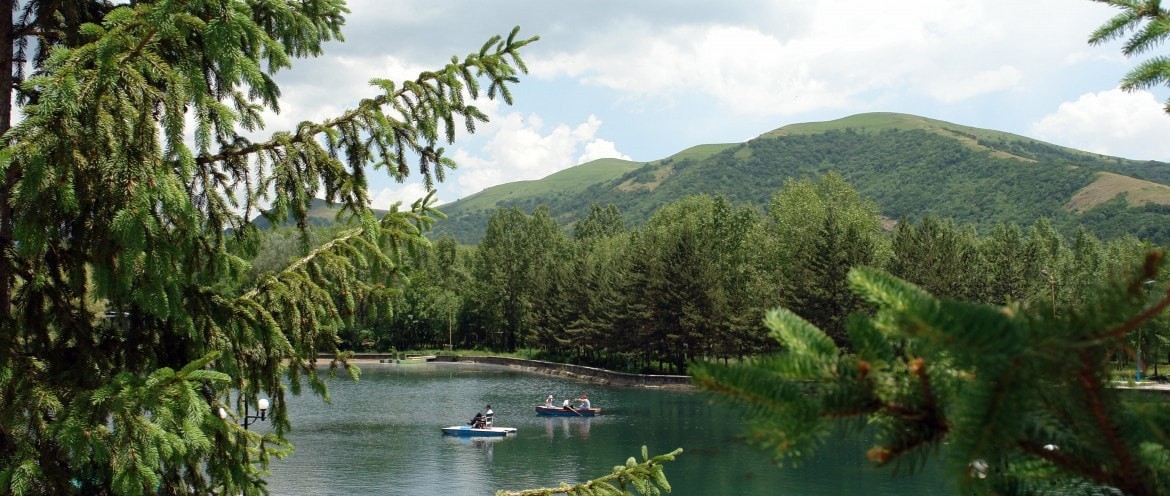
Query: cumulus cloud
{"points": [[721, 65], [322, 88], [599, 149], [520, 148], [406, 193], [835, 55], [1114, 122]]}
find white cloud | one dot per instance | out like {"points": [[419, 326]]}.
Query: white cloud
{"points": [[670, 74], [323, 88], [972, 85], [519, 148], [406, 193], [801, 57], [599, 149], [1114, 122]]}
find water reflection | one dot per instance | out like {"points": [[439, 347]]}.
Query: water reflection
{"points": [[484, 445], [381, 435], [569, 427]]}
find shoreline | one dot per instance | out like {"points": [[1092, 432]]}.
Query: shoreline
{"points": [[598, 375], [578, 372]]}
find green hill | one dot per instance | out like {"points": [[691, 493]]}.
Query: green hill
{"points": [[320, 214], [909, 165]]}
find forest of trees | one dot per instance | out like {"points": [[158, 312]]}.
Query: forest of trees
{"points": [[908, 172], [695, 282]]}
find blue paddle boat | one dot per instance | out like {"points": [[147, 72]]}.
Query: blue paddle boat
{"points": [[469, 431]]}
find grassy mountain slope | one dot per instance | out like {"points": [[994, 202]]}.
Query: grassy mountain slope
{"points": [[1137, 192], [568, 181], [569, 192], [909, 165], [320, 214]]}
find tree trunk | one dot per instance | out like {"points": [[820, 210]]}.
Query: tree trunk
{"points": [[7, 42]]}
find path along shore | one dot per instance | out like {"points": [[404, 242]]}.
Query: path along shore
{"points": [[579, 372], [603, 376]]}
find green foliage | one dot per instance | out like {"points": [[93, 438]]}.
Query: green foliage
{"points": [[1021, 398], [909, 166], [106, 206], [600, 223], [1148, 23], [646, 478], [821, 230], [937, 256], [513, 266]]}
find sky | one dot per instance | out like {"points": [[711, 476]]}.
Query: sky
{"points": [[642, 80]]}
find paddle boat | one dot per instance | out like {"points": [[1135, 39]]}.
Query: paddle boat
{"points": [[469, 431], [567, 411]]}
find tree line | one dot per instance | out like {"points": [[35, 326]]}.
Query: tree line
{"points": [[695, 282]]}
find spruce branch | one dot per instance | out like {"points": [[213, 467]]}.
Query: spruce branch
{"points": [[1092, 469], [420, 99], [1094, 391], [1145, 316], [646, 477]]}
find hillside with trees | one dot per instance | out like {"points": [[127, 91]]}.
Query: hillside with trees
{"points": [[140, 319], [910, 166], [1012, 397]]}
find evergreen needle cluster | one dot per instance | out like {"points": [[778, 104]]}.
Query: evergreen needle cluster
{"points": [[646, 478], [1017, 401], [129, 354]]}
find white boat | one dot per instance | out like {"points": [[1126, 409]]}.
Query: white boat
{"points": [[468, 431]]}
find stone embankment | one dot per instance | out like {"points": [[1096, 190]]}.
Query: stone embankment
{"points": [[588, 374]]}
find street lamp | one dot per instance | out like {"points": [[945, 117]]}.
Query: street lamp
{"points": [[1147, 284], [247, 419], [1051, 286]]}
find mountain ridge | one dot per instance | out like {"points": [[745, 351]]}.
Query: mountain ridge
{"points": [[910, 165]]}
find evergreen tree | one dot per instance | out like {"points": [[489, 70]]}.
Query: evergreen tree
{"points": [[600, 223], [110, 208], [821, 230], [1012, 266], [512, 267], [600, 267], [1021, 399], [939, 257]]}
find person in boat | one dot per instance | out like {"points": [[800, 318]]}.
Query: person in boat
{"points": [[565, 405], [584, 403], [477, 422], [489, 416], [548, 402]]}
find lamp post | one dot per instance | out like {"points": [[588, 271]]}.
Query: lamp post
{"points": [[1052, 287], [1147, 284], [248, 419]]}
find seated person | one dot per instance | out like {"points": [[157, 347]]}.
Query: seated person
{"points": [[478, 422], [584, 402], [565, 405], [548, 401]]}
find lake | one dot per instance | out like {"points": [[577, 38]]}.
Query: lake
{"points": [[381, 435]]}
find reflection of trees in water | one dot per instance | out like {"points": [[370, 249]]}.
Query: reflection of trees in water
{"points": [[570, 427], [485, 445]]}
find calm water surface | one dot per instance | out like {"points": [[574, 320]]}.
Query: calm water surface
{"points": [[381, 436]]}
